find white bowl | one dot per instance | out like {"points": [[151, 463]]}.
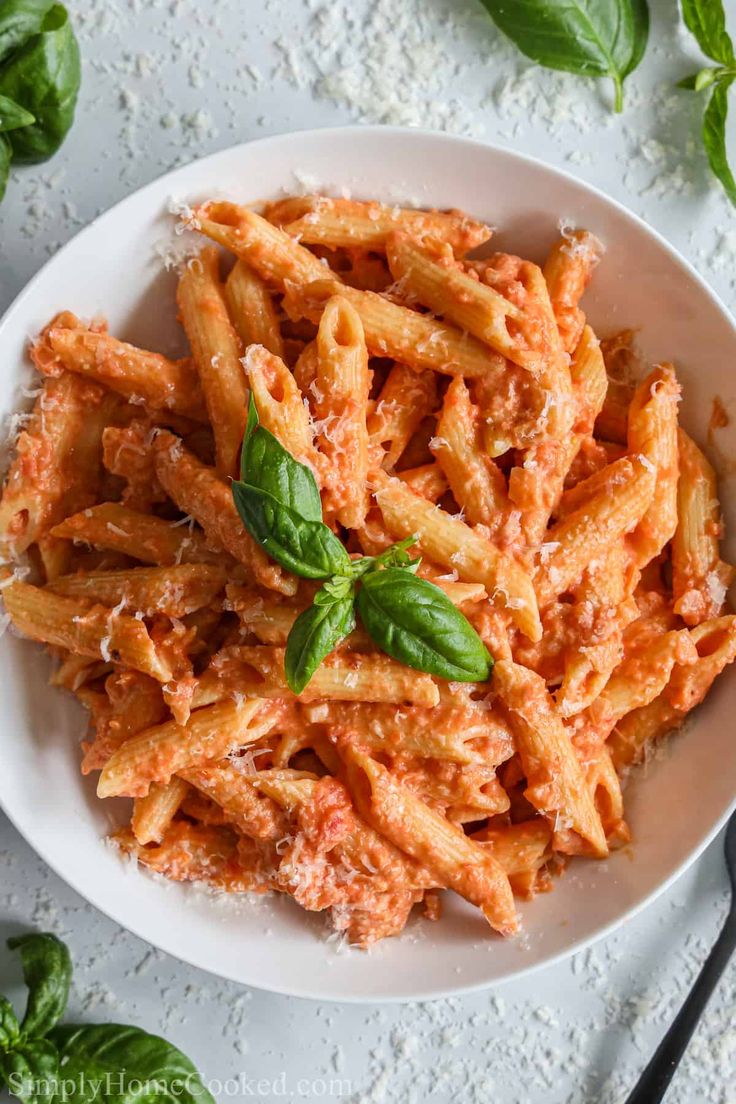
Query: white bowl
{"points": [[674, 808]]}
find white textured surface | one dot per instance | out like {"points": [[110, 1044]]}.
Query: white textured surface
{"points": [[165, 82]]}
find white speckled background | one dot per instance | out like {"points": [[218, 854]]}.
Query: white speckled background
{"points": [[165, 82]]}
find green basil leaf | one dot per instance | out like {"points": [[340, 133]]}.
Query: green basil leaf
{"points": [[266, 464], [415, 622], [6, 154], [303, 546], [44, 76], [9, 1026], [47, 970], [706, 20], [12, 115], [19, 20], [123, 1065], [317, 631], [31, 1070], [714, 137], [593, 38]]}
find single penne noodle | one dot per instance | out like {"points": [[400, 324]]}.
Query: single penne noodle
{"points": [[273, 254], [448, 541], [216, 350], [56, 469], [620, 499], [715, 644], [143, 536], [234, 790], [158, 753], [555, 782], [350, 223], [472, 305], [476, 482], [700, 578], [344, 676], [652, 435], [280, 405], [568, 270], [452, 857], [200, 492], [396, 331], [153, 814], [174, 591], [143, 377], [340, 405], [94, 631], [604, 784], [252, 310]]}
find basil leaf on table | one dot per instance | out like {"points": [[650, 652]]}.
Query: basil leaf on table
{"points": [[12, 115], [416, 623], [44, 77], [592, 38], [318, 630], [47, 971], [706, 21], [122, 1065], [305, 547], [19, 20], [6, 154], [266, 464], [714, 137]]}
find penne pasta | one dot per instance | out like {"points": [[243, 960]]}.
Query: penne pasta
{"points": [[90, 630], [252, 310], [347, 223], [174, 591], [216, 350], [700, 578], [340, 391], [158, 753], [141, 377], [554, 780], [421, 396]]}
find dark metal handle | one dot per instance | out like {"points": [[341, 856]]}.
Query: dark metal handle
{"points": [[652, 1085]]}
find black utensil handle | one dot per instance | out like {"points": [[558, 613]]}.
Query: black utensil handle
{"points": [[652, 1085]]}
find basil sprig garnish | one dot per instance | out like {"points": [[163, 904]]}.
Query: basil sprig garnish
{"points": [[706, 20], [410, 619], [40, 74], [43, 1062]]}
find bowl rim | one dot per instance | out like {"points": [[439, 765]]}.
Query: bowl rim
{"points": [[346, 132]]}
